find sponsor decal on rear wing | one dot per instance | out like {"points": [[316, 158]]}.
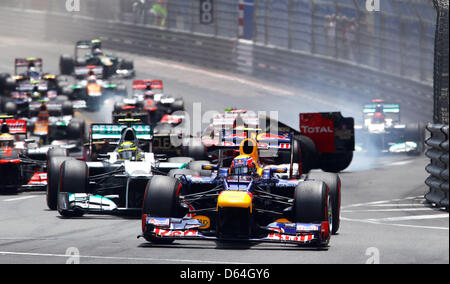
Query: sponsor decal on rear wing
{"points": [[234, 138], [16, 126], [330, 132], [142, 84], [25, 62], [42, 86], [114, 131], [84, 70], [387, 108]]}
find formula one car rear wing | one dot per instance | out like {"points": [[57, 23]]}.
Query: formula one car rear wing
{"points": [[15, 126], [83, 71], [142, 84], [114, 131], [331, 132], [27, 62]]}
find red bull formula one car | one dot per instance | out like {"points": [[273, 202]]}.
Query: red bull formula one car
{"points": [[248, 201]]}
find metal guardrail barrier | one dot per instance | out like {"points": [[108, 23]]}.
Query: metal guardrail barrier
{"points": [[297, 68], [438, 168], [396, 38]]}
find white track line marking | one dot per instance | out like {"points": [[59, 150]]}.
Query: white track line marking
{"points": [[401, 163], [115, 258], [20, 198], [376, 203], [407, 218], [389, 210], [393, 224]]}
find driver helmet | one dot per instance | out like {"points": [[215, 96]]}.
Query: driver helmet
{"points": [[97, 52], [32, 72], [6, 140], [128, 151], [92, 79], [35, 94], [243, 165], [148, 93]]}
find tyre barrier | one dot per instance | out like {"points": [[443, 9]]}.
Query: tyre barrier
{"points": [[438, 167]]}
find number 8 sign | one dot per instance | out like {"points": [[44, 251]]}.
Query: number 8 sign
{"points": [[206, 12]]}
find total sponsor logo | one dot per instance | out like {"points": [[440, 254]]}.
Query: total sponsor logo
{"points": [[317, 129]]}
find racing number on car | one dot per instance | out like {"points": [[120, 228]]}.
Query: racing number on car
{"points": [[206, 12]]}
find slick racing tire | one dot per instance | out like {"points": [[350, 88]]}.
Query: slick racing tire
{"points": [[66, 65], [312, 204], [127, 65], [178, 105], [74, 178], [67, 108], [76, 129], [333, 182], [53, 170], [160, 200], [335, 162], [10, 108], [415, 132]]}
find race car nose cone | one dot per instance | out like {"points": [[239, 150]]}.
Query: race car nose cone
{"points": [[238, 199]]}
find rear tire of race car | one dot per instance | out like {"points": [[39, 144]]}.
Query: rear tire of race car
{"points": [[178, 105], [10, 108], [76, 129], [53, 170], [127, 65], [66, 65], [160, 200], [335, 162], [415, 132], [67, 108], [333, 182], [74, 178]]}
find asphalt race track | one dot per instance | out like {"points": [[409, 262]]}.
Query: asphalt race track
{"points": [[383, 219]]}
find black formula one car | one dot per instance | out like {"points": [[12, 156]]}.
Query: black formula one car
{"points": [[248, 201], [88, 55]]}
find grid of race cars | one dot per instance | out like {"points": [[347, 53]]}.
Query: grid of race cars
{"points": [[246, 178]]}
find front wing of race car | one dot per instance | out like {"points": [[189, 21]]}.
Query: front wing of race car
{"points": [[190, 229]]}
